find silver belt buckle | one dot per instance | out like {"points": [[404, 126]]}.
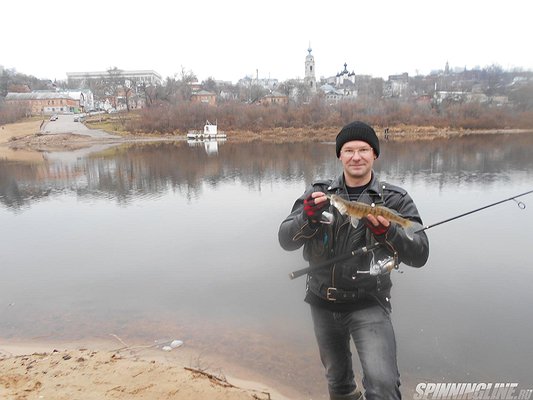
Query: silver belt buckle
{"points": [[329, 294]]}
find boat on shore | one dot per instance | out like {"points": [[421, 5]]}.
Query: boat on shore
{"points": [[210, 132]]}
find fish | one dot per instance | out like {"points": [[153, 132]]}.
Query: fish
{"points": [[356, 211]]}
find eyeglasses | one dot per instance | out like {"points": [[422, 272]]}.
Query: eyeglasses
{"points": [[362, 152]]}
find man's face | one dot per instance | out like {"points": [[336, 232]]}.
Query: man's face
{"points": [[357, 158]]}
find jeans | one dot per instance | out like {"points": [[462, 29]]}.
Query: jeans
{"points": [[373, 336]]}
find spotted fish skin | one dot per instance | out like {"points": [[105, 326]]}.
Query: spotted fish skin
{"points": [[359, 210]]}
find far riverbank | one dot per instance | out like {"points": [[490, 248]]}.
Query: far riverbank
{"points": [[27, 136]]}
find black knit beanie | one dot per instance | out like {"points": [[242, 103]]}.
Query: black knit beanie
{"points": [[357, 131]]}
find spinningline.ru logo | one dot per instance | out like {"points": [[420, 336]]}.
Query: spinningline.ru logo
{"points": [[475, 391]]}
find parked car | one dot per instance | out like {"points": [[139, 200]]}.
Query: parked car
{"points": [[53, 117]]}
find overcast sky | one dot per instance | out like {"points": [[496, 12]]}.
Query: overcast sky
{"points": [[229, 40]]}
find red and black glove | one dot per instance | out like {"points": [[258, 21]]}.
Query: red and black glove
{"points": [[379, 230], [314, 211]]}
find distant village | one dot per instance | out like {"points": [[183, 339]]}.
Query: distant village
{"points": [[116, 90]]}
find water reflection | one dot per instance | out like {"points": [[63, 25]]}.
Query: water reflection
{"points": [[134, 170], [157, 240], [210, 145]]}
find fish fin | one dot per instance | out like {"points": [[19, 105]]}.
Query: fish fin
{"points": [[412, 228]]}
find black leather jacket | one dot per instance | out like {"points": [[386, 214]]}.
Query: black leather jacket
{"points": [[340, 237]]}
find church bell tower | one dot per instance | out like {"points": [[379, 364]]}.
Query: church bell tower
{"points": [[310, 79]]}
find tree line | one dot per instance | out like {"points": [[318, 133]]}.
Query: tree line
{"points": [[168, 118], [167, 108]]}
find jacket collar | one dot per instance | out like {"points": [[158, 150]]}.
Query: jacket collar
{"points": [[339, 184]]}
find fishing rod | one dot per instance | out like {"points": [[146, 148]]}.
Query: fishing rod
{"points": [[384, 268], [342, 257], [519, 203]]}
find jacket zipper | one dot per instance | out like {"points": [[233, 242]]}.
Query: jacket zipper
{"points": [[333, 249]]}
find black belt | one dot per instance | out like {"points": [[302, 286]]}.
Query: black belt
{"points": [[334, 294]]}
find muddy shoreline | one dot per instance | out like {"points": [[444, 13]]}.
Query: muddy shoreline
{"points": [[67, 142]]}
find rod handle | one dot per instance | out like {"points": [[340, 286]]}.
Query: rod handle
{"points": [[297, 274]]}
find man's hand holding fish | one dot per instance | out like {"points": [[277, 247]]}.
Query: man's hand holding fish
{"points": [[378, 225], [314, 205]]}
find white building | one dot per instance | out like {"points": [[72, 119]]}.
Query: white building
{"points": [[332, 95], [84, 97], [148, 77], [309, 77], [344, 77], [397, 85]]}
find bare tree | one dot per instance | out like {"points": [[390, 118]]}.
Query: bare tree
{"points": [[210, 85], [128, 89], [149, 93], [522, 97], [177, 89], [184, 84], [114, 82]]}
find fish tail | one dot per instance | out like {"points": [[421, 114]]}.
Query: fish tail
{"points": [[411, 229]]}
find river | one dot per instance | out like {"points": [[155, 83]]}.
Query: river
{"points": [[168, 240]]}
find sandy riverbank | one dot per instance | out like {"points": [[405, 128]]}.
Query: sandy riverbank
{"points": [[72, 371], [22, 141]]}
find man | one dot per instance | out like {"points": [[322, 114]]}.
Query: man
{"points": [[346, 301]]}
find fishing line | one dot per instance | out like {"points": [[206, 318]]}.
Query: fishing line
{"points": [[520, 204]]}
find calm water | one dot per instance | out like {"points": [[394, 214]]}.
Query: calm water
{"points": [[165, 240]]}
